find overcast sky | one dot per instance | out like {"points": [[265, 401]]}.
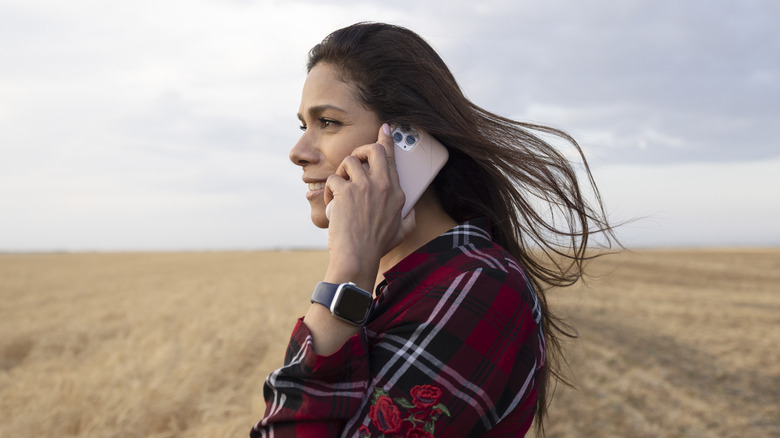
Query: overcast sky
{"points": [[165, 125]]}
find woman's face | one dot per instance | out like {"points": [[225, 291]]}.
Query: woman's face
{"points": [[334, 123]]}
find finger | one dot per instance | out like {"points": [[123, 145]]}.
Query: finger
{"points": [[351, 168], [385, 138], [328, 209], [332, 186], [380, 155]]}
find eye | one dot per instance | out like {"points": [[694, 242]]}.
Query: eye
{"points": [[302, 128], [326, 123]]}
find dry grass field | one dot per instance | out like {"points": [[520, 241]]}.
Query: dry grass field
{"points": [[672, 343]]}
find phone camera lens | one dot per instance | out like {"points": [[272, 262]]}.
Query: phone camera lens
{"points": [[397, 137], [410, 140]]}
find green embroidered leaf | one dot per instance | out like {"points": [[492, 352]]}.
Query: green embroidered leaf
{"points": [[429, 427], [404, 403], [378, 392], [443, 408]]}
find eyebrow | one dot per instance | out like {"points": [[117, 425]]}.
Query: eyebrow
{"points": [[319, 109]]}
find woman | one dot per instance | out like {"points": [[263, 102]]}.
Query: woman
{"points": [[457, 339]]}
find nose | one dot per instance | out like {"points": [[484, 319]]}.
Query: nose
{"points": [[303, 153]]}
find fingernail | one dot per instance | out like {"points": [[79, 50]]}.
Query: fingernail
{"points": [[386, 129], [328, 208]]}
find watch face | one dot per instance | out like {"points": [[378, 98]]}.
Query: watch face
{"points": [[352, 304]]}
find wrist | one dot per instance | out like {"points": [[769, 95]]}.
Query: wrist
{"points": [[342, 271], [346, 301]]}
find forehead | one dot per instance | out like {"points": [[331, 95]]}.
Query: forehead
{"points": [[324, 87]]}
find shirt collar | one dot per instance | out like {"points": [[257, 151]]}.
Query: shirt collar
{"points": [[437, 252]]}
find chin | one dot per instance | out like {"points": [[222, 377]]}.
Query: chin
{"points": [[319, 219]]}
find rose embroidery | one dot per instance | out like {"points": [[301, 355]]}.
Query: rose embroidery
{"points": [[425, 395], [385, 415], [419, 416], [418, 433]]}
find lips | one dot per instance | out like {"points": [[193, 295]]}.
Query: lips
{"points": [[315, 186]]}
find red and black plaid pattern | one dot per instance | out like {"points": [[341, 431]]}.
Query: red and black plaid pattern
{"points": [[454, 347]]}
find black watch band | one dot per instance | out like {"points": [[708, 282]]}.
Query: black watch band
{"points": [[345, 301]]}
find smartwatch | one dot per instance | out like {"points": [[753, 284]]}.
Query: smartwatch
{"points": [[346, 301]]}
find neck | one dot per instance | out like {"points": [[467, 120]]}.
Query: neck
{"points": [[430, 222]]}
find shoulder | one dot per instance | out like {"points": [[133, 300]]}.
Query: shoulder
{"points": [[462, 270], [486, 272], [469, 247], [481, 256]]}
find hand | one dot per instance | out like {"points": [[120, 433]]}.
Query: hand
{"points": [[364, 199]]}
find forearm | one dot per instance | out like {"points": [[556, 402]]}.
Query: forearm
{"points": [[328, 333]]}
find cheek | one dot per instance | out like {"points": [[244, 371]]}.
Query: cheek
{"points": [[340, 149], [343, 152], [341, 146]]}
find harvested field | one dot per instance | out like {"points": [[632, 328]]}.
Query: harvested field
{"points": [[672, 343]]}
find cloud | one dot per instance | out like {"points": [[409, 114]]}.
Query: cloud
{"points": [[168, 124], [703, 75]]}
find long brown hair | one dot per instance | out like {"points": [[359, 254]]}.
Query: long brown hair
{"points": [[498, 167]]}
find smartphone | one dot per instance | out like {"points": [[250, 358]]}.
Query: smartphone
{"points": [[419, 157]]}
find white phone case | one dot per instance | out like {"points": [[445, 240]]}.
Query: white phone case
{"points": [[419, 157]]}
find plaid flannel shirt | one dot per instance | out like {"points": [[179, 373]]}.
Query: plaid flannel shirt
{"points": [[454, 347]]}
